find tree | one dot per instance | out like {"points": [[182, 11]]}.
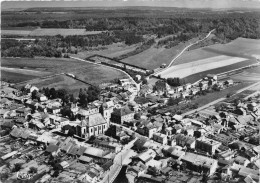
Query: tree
{"points": [[93, 93], [61, 93], [83, 100], [175, 81], [173, 101], [47, 92], [137, 116], [53, 93], [33, 170], [34, 94], [17, 167]]}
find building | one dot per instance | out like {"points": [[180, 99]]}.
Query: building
{"points": [[183, 140], [161, 138], [122, 115], [106, 109], [200, 163], [207, 145], [161, 86], [94, 124]]}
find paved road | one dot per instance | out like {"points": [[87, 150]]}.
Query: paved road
{"points": [[220, 99], [82, 60], [187, 47]]}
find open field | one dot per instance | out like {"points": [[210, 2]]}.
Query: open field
{"points": [[195, 77], [193, 55], [16, 32], [252, 74], [154, 57], [15, 77], [186, 69], [88, 72], [49, 32], [240, 47], [113, 50], [63, 32], [57, 82]]}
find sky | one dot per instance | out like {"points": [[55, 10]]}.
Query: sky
{"points": [[118, 3]]}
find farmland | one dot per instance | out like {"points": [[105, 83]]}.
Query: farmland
{"points": [[93, 74], [184, 70], [155, 57], [252, 74], [195, 77], [58, 82], [49, 32]]}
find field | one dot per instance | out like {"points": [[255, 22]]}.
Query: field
{"points": [[90, 73], [195, 77], [240, 47], [155, 57], [57, 82], [186, 69], [195, 64], [252, 74], [111, 51], [15, 77], [48, 32]]}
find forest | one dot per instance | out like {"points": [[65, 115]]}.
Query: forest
{"points": [[130, 30]]}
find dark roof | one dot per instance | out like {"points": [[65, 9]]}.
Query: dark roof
{"points": [[52, 148], [141, 100], [140, 142], [123, 111], [107, 165], [81, 150]]}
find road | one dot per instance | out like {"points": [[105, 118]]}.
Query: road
{"points": [[187, 47], [219, 100], [82, 60], [119, 160]]}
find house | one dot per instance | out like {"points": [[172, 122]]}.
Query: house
{"points": [[183, 140], [161, 138], [241, 161], [40, 97], [124, 82], [161, 86], [207, 145], [94, 124], [200, 163], [147, 130], [122, 115]]}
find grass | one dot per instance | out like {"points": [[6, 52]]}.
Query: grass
{"points": [[155, 57], [88, 72], [240, 47], [113, 50], [195, 77], [15, 77], [63, 32], [194, 55], [209, 97], [58, 82]]}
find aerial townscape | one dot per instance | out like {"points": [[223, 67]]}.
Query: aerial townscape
{"points": [[125, 93]]}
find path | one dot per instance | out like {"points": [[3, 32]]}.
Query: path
{"points": [[82, 60], [219, 100], [187, 47]]}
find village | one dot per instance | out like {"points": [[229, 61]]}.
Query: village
{"points": [[125, 127]]}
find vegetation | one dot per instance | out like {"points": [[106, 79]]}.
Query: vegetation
{"points": [[175, 81], [134, 27]]}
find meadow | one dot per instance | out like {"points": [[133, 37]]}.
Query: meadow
{"points": [[88, 72], [48, 32]]}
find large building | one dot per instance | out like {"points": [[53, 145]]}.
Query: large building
{"points": [[207, 145], [94, 124], [122, 115]]}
